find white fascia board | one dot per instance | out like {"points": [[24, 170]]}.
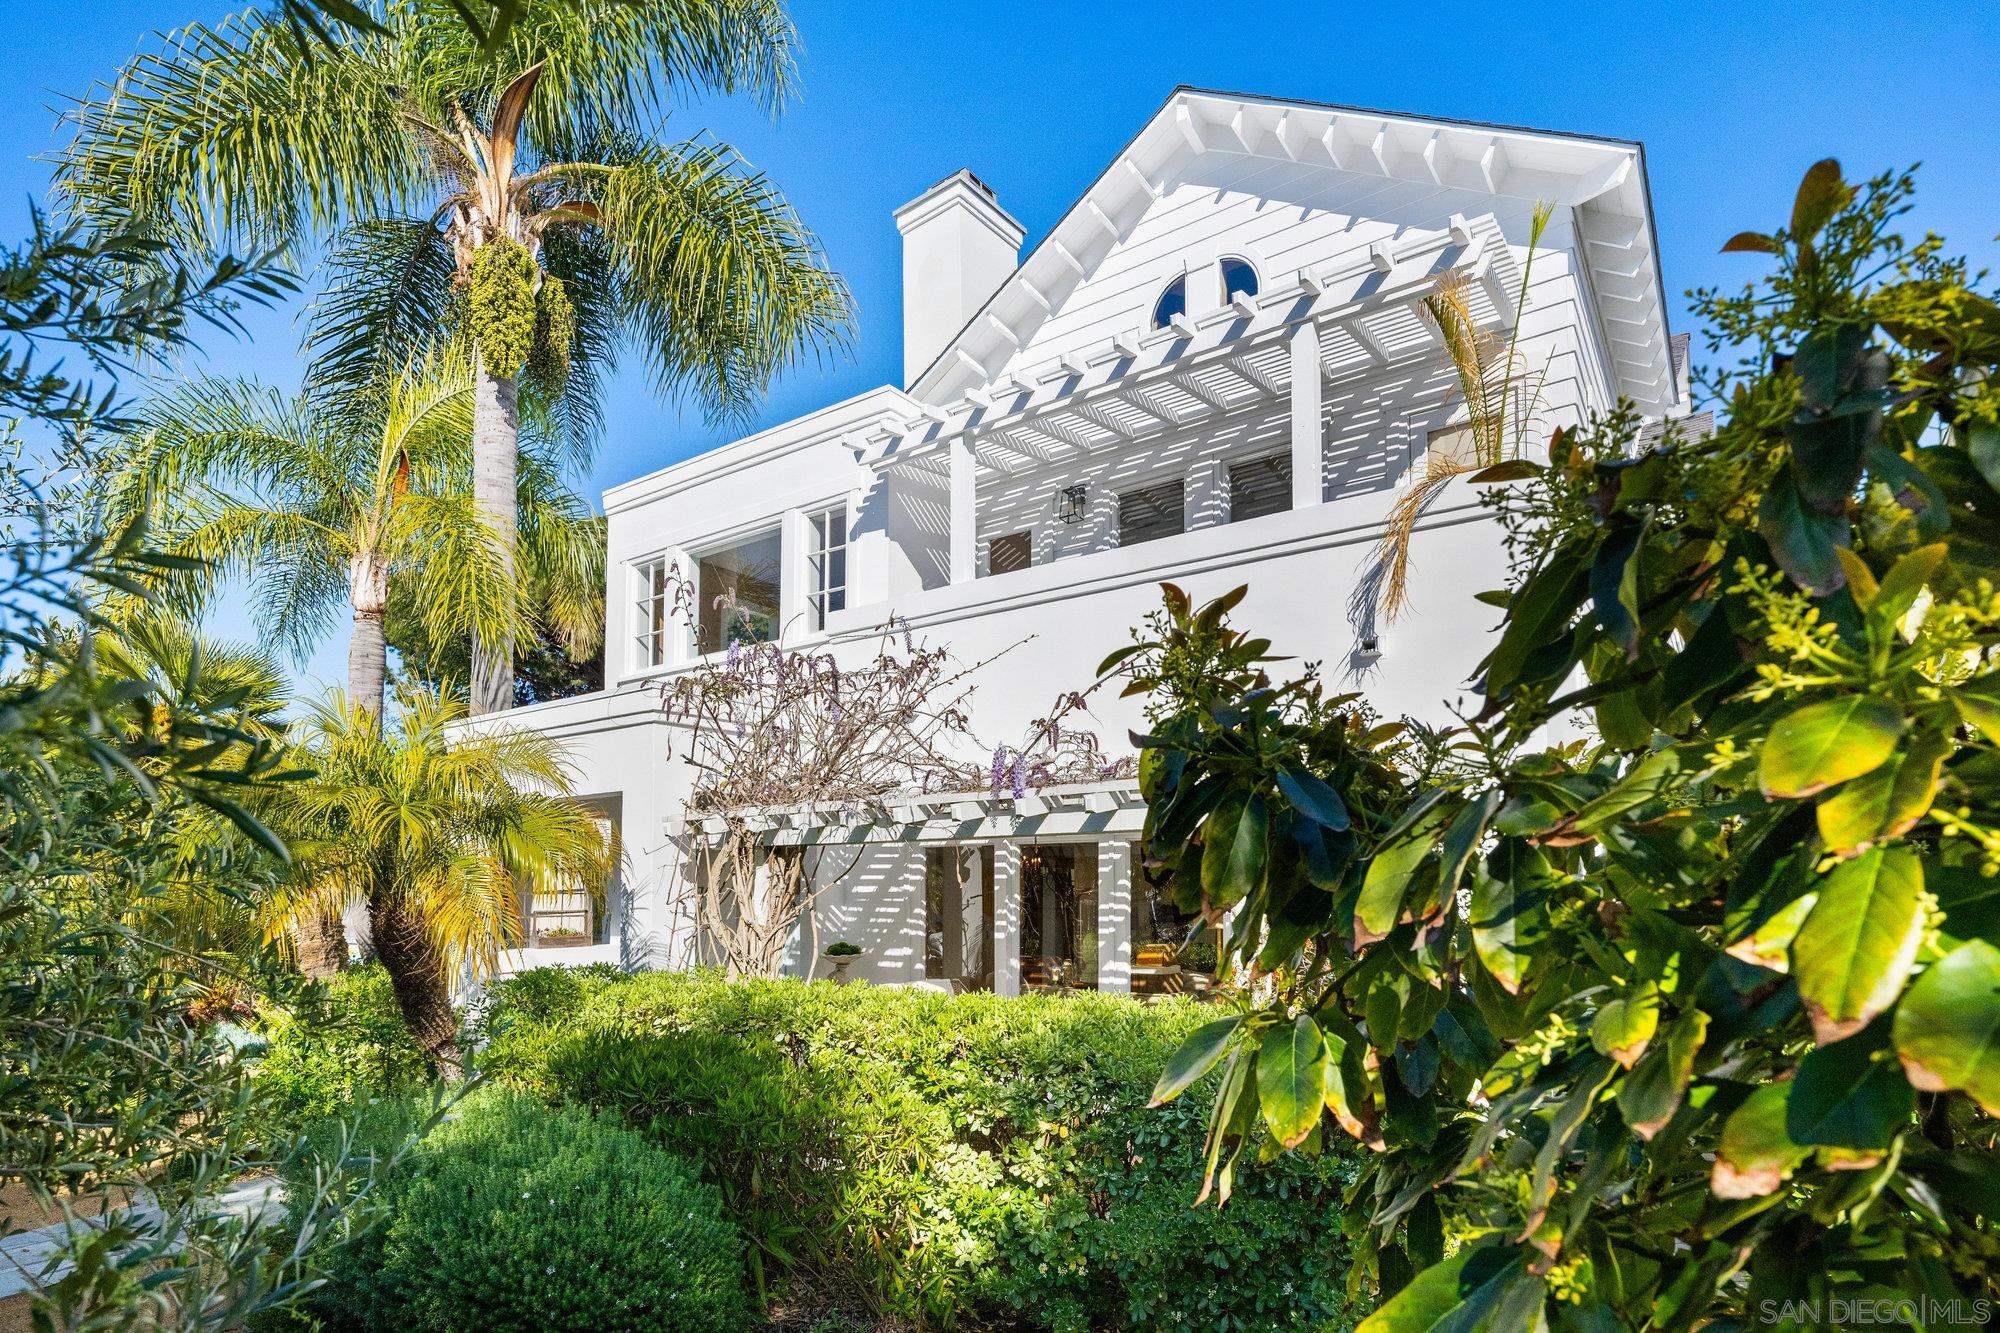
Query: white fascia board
{"points": [[866, 409]]}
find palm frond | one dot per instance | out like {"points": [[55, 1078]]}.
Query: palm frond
{"points": [[389, 293], [722, 284], [241, 135]]}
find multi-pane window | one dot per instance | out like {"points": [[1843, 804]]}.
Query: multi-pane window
{"points": [[1260, 486], [736, 592], [1152, 511], [1006, 554], [653, 613], [826, 565]]}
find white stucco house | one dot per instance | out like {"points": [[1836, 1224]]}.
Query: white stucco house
{"points": [[1213, 370]]}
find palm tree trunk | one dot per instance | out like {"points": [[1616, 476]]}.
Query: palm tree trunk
{"points": [[319, 940], [367, 650], [496, 428], [416, 974]]}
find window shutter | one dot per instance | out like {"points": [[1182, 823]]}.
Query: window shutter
{"points": [[1152, 511], [1260, 486], [1006, 554]]}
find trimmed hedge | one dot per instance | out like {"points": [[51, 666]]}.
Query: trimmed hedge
{"points": [[512, 1215], [968, 1159]]}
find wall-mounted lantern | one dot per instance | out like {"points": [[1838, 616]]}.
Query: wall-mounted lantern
{"points": [[1070, 507]]}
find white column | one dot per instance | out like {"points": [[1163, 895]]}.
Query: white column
{"points": [[1115, 906], [1006, 918], [1308, 469], [964, 519], [1207, 495]]}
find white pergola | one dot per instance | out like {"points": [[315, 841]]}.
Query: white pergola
{"points": [[1110, 814], [1292, 341]]}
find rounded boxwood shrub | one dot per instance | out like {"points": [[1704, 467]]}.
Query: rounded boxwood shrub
{"points": [[517, 1216]]}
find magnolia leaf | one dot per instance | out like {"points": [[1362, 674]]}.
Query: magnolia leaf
{"points": [[1947, 1029], [1380, 905], [1822, 193], [1885, 803], [1313, 798], [1856, 948], [1291, 1079], [1196, 1056], [1906, 579], [1770, 945], [1510, 469], [1751, 242], [1652, 1092], [1802, 540], [1348, 1093], [1508, 913], [1462, 1293], [1755, 1155], [1851, 1094], [1235, 850], [1624, 1027], [1979, 704], [1812, 748]]}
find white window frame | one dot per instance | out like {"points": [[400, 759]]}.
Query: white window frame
{"points": [[819, 587], [652, 605]]}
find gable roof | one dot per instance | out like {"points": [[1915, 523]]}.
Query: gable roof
{"points": [[1602, 180]]}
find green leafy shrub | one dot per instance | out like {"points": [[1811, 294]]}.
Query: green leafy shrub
{"points": [[1688, 1021], [969, 1159], [516, 1216], [338, 1047]]}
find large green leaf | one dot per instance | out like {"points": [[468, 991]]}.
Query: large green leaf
{"points": [[1388, 880], [1802, 540], [1884, 803], [1814, 747], [1851, 1094], [1196, 1056], [1755, 1155], [1235, 850], [1624, 1027], [1652, 1092], [1856, 948], [1464, 1294], [1947, 1029], [1508, 912], [1538, 614], [1291, 1079], [1313, 798]]}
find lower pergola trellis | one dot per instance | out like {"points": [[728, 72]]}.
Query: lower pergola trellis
{"points": [[776, 848]]}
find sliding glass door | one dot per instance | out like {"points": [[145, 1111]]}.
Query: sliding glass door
{"points": [[1059, 916]]}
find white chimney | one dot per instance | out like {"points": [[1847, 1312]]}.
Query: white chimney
{"points": [[959, 245]]}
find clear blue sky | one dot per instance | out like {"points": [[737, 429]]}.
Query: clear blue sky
{"points": [[1732, 100]]}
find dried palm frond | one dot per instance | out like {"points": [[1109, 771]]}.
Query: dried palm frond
{"points": [[1502, 405]]}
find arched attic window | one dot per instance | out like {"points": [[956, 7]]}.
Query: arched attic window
{"points": [[1173, 301], [1238, 278]]}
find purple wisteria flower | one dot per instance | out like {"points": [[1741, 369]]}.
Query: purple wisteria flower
{"points": [[734, 657], [1020, 780], [999, 771]]}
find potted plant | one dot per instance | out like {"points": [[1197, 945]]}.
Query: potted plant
{"points": [[842, 955], [560, 937]]}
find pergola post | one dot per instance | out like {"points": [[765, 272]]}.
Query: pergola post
{"points": [[964, 521], [1115, 908], [1006, 918], [1308, 466]]}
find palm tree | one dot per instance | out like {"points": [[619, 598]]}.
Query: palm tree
{"points": [[439, 833], [514, 191], [322, 502], [1502, 405]]}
